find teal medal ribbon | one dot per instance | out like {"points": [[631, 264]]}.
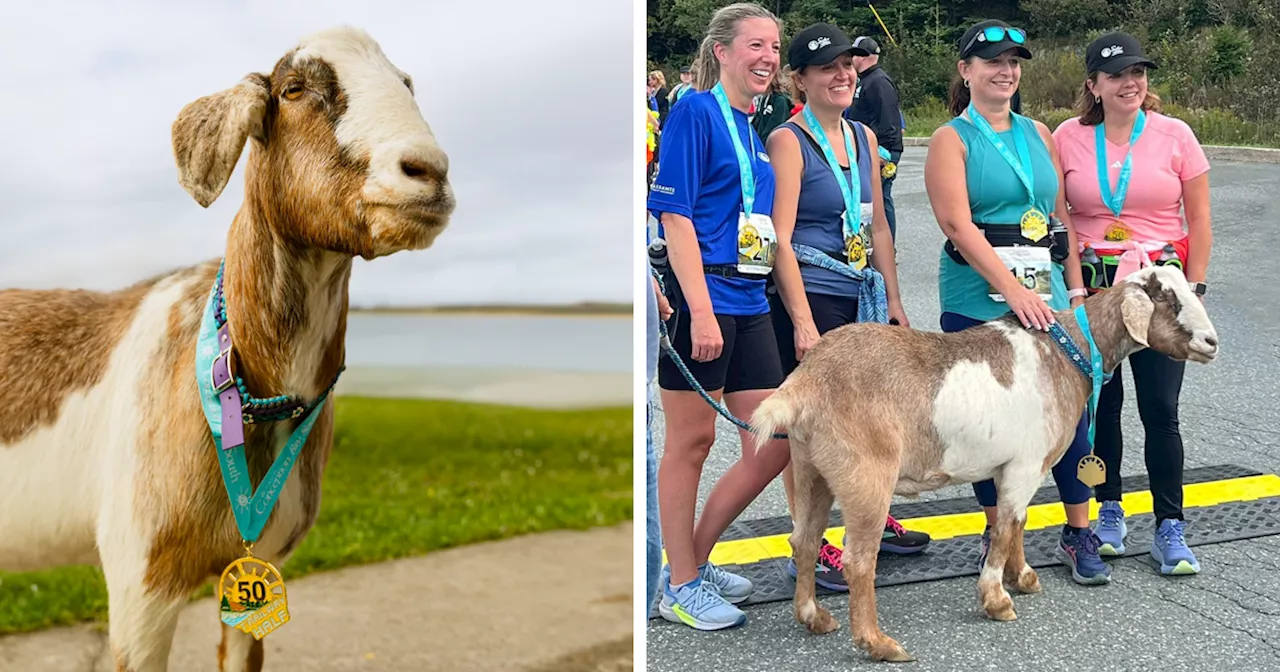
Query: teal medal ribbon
{"points": [[251, 509], [850, 189], [1115, 201], [1021, 163], [745, 173], [1095, 359]]}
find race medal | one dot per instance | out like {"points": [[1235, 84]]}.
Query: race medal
{"points": [[757, 244], [1117, 232], [1035, 225], [252, 597], [1091, 470], [888, 169], [857, 246]]}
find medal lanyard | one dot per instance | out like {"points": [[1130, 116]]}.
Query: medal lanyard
{"points": [[251, 510], [850, 189], [1115, 202], [1095, 358], [745, 174], [1021, 164]]}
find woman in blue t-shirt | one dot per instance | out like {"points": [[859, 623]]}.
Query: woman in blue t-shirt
{"points": [[713, 196], [812, 209], [991, 202]]}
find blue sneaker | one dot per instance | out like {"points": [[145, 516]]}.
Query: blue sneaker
{"points": [[1078, 549], [731, 587], [1111, 529], [1170, 549], [829, 572], [698, 605]]}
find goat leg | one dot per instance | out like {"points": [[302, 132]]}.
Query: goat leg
{"points": [[865, 507], [239, 651], [1017, 572], [812, 501]]}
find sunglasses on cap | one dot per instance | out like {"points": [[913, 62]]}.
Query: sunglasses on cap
{"points": [[993, 34]]}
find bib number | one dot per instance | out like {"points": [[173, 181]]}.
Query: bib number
{"points": [[1031, 266], [757, 244]]}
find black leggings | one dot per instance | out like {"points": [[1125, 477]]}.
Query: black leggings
{"points": [[828, 312], [1158, 380]]}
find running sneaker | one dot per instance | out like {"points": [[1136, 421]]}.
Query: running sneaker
{"points": [[897, 539], [732, 587], [1078, 549], [1111, 529], [986, 546], [1169, 548], [699, 605], [829, 572]]}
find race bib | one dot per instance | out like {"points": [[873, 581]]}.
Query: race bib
{"points": [[1031, 266], [757, 244]]}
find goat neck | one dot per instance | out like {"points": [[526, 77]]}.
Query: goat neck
{"points": [[286, 303], [1106, 325]]}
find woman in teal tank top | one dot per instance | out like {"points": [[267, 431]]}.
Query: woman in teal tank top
{"points": [[994, 182]]}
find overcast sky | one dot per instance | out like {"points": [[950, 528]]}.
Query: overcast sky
{"points": [[533, 108]]}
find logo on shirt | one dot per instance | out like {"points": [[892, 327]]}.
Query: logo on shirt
{"points": [[763, 157], [1116, 165], [1113, 50], [817, 44], [664, 189]]}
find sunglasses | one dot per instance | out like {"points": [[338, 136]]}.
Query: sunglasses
{"points": [[993, 34]]}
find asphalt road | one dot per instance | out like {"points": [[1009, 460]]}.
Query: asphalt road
{"points": [[1228, 617]]}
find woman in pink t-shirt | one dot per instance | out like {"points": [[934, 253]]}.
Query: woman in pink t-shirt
{"points": [[1127, 209]]}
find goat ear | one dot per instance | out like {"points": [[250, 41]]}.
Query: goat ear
{"points": [[210, 134], [1137, 308]]}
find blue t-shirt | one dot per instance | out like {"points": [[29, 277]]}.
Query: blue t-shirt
{"points": [[698, 178]]}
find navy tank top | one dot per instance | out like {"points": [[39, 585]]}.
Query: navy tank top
{"points": [[818, 214]]}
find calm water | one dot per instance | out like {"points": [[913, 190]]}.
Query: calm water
{"points": [[579, 344]]}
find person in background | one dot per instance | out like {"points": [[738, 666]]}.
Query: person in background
{"points": [[684, 87], [774, 107], [992, 177], [1159, 171], [876, 104], [713, 198], [824, 217], [658, 308], [658, 90]]}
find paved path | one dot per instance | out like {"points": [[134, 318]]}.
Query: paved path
{"points": [[553, 601], [1226, 618]]}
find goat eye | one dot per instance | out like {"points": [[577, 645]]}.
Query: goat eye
{"points": [[293, 92]]}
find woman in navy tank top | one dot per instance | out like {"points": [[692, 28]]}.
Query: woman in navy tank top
{"points": [[841, 217]]}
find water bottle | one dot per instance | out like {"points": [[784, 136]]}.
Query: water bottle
{"points": [[658, 255], [1089, 267], [1169, 256]]}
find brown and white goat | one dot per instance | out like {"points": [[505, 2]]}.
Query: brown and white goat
{"points": [[105, 455], [875, 410]]}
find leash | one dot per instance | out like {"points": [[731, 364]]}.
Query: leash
{"points": [[665, 340]]}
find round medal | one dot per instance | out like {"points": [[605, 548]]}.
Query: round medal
{"points": [[1091, 470], [1035, 225], [1116, 232], [252, 597], [888, 170]]}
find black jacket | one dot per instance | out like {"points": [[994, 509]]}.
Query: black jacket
{"points": [[875, 104]]}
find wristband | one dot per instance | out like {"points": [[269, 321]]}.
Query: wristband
{"points": [[1073, 293]]}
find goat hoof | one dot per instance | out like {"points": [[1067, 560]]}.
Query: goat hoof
{"points": [[891, 651], [1028, 581], [1001, 610], [822, 622]]}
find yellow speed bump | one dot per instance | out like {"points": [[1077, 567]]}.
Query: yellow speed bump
{"points": [[1039, 516]]}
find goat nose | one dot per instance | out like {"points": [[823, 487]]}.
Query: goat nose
{"points": [[1211, 340], [416, 167]]}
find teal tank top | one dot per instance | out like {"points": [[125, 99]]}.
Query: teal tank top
{"points": [[996, 195]]}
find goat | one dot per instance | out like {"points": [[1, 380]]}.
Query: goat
{"points": [[105, 454], [875, 410]]}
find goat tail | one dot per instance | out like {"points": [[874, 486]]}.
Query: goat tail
{"points": [[772, 413]]}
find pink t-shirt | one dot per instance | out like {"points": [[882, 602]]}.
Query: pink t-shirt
{"points": [[1166, 155]]}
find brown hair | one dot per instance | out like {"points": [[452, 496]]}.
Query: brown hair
{"points": [[793, 88], [1090, 109], [958, 95], [722, 29]]}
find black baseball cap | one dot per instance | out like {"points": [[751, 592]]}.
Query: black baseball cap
{"points": [[684, 69], [1114, 52], [990, 38], [867, 44], [820, 44]]}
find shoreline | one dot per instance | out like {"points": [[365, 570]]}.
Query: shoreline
{"points": [[589, 310]]}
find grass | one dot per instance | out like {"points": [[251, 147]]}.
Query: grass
{"points": [[408, 477]]}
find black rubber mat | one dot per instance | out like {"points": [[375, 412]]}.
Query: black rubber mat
{"points": [[1047, 495], [958, 556]]}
